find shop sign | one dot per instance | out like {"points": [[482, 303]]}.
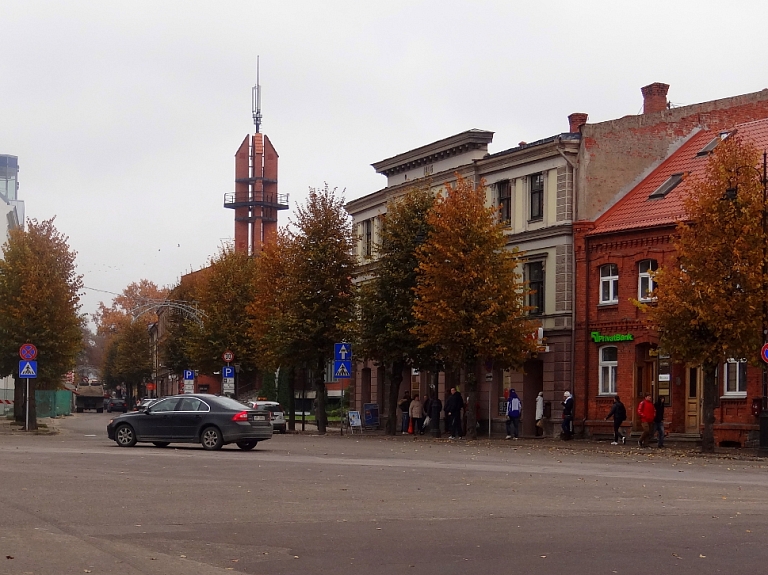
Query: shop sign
{"points": [[597, 337]]}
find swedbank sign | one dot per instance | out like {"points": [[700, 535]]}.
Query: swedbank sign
{"points": [[597, 337]]}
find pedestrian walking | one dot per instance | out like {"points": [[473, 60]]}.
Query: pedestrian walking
{"points": [[647, 414], [453, 407], [567, 424], [404, 404], [540, 414], [658, 420], [619, 414], [514, 411], [416, 413]]}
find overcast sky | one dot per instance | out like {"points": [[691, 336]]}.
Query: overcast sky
{"points": [[126, 116]]}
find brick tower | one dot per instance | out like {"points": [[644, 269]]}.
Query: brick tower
{"points": [[255, 199]]}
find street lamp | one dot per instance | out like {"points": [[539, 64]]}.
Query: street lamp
{"points": [[731, 194]]}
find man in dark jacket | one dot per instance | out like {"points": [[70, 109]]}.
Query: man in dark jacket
{"points": [[658, 421], [619, 414], [453, 407], [567, 416]]}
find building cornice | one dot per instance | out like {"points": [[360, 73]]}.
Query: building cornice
{"points": [[445, 148]]}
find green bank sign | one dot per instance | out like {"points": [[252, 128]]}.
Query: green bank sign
{"points": [[597, 337]]}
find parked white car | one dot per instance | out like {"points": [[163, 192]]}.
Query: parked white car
{"points": [[277, 411]]}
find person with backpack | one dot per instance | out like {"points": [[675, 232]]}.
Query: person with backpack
{"points": [[647, 414], [619, 414], [514, 410]]}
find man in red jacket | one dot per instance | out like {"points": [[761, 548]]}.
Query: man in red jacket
{"points": [[647, 412]]}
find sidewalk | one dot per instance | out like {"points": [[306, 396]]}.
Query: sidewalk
{"points": [[45, 426]]}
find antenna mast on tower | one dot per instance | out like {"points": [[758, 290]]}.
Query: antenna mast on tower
{"points": [[256, 100]]}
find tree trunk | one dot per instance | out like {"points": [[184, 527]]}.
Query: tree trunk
{"points": [[292, 398], [321, 417], [708, 408], [18, 400], [471, 410], [395, 379]]}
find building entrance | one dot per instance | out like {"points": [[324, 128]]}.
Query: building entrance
{"points": [[645, 379], [693, 384], [533, 383]]}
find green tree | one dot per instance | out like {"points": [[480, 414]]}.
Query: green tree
{"points": [[319, 296], [469, 293], [39, 304], [386, 320], [133, 360], [709, 307]]}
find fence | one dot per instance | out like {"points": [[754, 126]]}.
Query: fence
{"points": [[53, 403]]}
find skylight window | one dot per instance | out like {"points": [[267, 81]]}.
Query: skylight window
{"points": [[713, 144], [669, 185]]}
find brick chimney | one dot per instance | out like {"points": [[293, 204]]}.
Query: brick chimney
{"points": [[654, 97], [576, 121]]}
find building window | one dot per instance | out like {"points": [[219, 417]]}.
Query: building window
{"points": [[609, 283], [608, 368], [735, 377], [645, 283], [534, 275], [504, 189], [367, 237], [537, 196]]}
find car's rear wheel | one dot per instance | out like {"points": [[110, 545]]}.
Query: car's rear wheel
{"points": [[211, 439], [125, 436], [247, 445], [282, 430], [161, 443], [99, 410]]}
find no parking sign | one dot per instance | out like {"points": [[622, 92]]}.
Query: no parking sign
{"points": [[764, 353]]}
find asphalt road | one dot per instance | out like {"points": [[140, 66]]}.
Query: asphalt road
{"points": [[76, 503]]}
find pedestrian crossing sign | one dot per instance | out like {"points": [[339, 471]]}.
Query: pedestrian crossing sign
{"points": [[342, 369], [27, 369]]}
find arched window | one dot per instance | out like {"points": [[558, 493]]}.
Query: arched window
{"points": [[609, 364], [609, 283], [645, 283]]}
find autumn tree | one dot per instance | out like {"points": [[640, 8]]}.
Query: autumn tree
{"points": [[175, 344], [386, 319], [469, 292], [39, 304], [319, 295], [268, 312], [709, 307], [223, 292], [118, 329]]}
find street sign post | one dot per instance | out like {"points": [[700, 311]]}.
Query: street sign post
{"points": [[228, 379], [764, 353], [228, 356], [342, 361], [28, 351], [189, 381], [27, 370]]}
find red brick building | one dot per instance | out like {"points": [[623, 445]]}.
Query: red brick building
{"points": [[615, 351]]}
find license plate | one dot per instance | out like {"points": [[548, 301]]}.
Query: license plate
{"points": [[259, 417]]}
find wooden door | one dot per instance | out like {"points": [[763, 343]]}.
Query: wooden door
{"points": [[693, 400]]}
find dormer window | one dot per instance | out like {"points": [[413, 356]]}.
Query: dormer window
{"points": [[669, 185]]}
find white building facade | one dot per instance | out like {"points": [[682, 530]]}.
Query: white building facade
{"points": [[533, 184]]}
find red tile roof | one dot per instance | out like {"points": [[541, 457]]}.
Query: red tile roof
{"points": [[636, 211]]}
